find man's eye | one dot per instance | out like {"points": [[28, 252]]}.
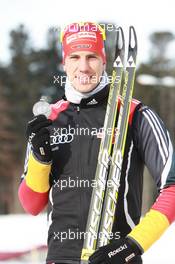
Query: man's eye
{"points": [[92, 57], [73, 57]]}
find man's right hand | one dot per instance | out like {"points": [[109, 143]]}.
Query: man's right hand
{"points": [[39, 137]]}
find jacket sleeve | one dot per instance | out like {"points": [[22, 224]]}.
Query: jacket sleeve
{"points": [[153, 143], [34, 188], [156, 149]]}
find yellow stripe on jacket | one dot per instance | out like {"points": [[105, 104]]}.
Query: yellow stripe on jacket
{"points": [[150, 228], [37, 177]]}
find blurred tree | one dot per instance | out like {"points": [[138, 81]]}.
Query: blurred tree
{"points": [[33, 73], [159, 93], [20, 41], [7, 157], [160, 42], [29, 76]]}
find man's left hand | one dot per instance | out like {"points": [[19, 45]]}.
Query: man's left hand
{"points": [[118, 252]]}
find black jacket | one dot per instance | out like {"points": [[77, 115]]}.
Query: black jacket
{"points": [[75, 140]]}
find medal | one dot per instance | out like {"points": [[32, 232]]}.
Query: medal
{"points": [[42, 107]]}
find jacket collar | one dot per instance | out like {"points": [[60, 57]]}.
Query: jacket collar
{"points": [[93, 100]]}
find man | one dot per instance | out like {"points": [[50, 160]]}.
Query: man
{"points": [[59, 158]]}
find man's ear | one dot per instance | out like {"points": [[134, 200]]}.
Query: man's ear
{"points": [[104, 66], [64, 67]]}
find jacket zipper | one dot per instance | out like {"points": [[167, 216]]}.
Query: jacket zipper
{"points": [[79, 167]]}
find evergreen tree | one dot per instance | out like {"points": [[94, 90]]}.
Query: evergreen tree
{"points": [[159, 93]]}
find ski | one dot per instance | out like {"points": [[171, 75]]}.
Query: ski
{"points": [[98, 193], [112, 188]]}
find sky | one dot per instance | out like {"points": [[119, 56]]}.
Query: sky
{"points": [[39, 15]]}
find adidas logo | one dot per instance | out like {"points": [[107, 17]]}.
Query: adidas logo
{"points": [[93, 102]]}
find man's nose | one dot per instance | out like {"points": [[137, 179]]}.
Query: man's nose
{"points": [[83, 65]]}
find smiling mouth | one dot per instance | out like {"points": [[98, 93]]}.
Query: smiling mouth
{"points": [[84, 79]]}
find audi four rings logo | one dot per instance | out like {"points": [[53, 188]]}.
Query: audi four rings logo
{"points": [[61, 139]]}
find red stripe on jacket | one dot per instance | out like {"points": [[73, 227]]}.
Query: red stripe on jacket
{"points": [[32, 202], [165, 203]]}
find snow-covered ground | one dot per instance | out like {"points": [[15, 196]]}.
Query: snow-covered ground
{"points": [[24, 232], [21, 233], [163, 251]]}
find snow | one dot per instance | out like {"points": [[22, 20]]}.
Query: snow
{"points": [[163, 250], [25, 232], [22, 232]]}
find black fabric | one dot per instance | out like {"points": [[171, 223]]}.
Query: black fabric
{"points": [[120, 252], [137, 260], [39, 137], [74, 158]]}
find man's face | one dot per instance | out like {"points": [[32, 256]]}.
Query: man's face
{"points": [[84, 69]]}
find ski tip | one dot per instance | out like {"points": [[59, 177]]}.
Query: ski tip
{"points": [[132, 38], [132, 47], [120, 44]]}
